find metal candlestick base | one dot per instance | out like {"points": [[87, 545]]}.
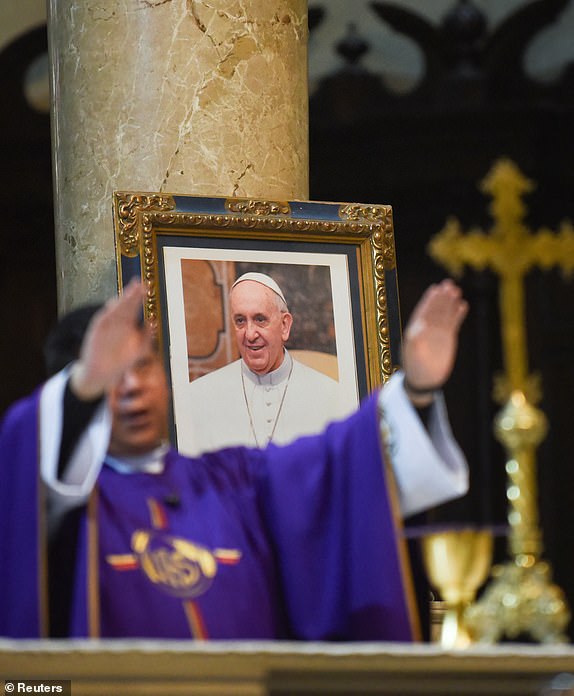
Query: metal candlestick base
{"points": [[520, 601]]}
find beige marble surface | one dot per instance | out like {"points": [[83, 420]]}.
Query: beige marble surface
{"points": [[177, 96], [221, 668]]}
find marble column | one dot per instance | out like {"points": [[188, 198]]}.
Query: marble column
{"points": [[175, 96]]}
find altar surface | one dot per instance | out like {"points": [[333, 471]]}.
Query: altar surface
{"points": [[118, 668]]}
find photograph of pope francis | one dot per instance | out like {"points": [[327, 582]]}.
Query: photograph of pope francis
{"points": [[264, 358]]}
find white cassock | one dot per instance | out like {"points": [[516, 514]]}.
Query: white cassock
{"points": [[234, 406]]}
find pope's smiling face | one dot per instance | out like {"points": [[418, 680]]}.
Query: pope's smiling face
{"points": [[261, 327]]}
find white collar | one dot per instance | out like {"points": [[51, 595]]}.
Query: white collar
{"points": [[273, 378], [149, 463]]}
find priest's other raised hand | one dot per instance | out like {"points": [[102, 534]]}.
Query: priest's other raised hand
{"points": [[431, 339]]}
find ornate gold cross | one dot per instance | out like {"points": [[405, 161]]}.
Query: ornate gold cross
{"points": [[521, 598], [511, 251]]}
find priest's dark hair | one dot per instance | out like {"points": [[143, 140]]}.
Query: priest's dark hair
{"points": [[63, 343]]}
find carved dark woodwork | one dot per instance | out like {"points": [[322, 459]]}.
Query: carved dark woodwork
{"points": [[466, 64], [27, 256], [315, 17], [424, 152]]}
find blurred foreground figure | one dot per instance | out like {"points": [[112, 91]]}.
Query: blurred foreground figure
{"points": [[107, 531]]}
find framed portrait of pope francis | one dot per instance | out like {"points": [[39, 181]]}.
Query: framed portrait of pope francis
{"points": [[273, 318]]}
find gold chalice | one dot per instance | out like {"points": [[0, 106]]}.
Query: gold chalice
{"points": [[457, 562]]}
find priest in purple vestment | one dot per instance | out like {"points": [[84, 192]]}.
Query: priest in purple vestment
{"points": [[107, 532]]}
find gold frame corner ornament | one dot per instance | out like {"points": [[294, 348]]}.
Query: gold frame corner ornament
{"points": [[127, 207]]}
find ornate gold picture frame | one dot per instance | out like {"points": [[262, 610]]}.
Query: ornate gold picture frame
{"points": [[335, 261]]}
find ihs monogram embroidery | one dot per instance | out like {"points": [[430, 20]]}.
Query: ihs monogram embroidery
{"points": [[177, 566]]}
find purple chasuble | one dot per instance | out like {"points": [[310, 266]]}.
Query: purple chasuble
{"points": [[293, 542], [23, 613]]}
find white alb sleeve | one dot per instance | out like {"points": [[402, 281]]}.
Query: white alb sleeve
{"points": [[86, 460], [429, 466]]}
